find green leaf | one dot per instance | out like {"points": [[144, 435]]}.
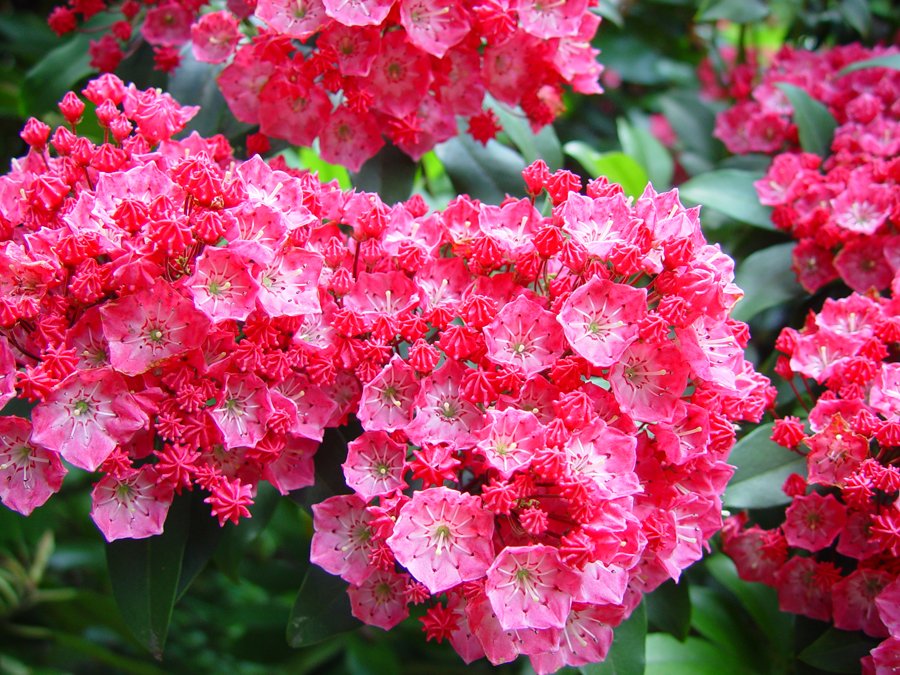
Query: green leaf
{"points": [[739, 11], [889, 61], [642, 146], [616, 166], [729, 191], [815, 125], [857, 14], [202, 542], [194, 83], [767, 280], [838, 651], [543, 145], [626, 656], [58, 72], [760, 602], [762, 466], [693, 122], [26, 35], [390, 173], [723, 624], [236, 538], [694, 656], [145, 573], [321, 610], [487, 173], [609, 10], [669, 608]]}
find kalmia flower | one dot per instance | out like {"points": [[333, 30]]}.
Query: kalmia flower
{"points": [[534, 455], [352, 74], [845, 506]]}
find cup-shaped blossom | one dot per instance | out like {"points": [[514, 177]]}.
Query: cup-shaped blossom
{"points": [[530, 587], [524, 335], [649, 379], [222, 287], [132, 506], [387, 399], [443, 538], [380, 600], [601, 318], [509, 439], [147, 327], [375, 465], [28, 474], [343, 537], [87, 416], [242, 411], [814, 521], [288, 284]]}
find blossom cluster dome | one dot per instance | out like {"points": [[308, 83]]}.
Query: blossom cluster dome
{"points": [[547, 402], [836, 556], [547, 407], [351, 74], [843, 210]]}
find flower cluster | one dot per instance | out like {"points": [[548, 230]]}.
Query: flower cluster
{"points": [[836, 557], [844, 210], [351, 73], [153, 302], [547, 408]]}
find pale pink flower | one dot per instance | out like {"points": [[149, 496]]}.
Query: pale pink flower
{"points": [[375, 465], [133, 506], [443, 538], [530, 587], [524, 335], [343, 537], [380, 600], [243, 408], [28, 474]]}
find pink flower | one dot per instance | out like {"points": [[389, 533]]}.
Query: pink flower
{"points": [[221, 286], [168, 25], [443, 538], [600, 319], [28, 475], [132, 506], [343, 537], [814, 521], [86, 417], [525, 336], [648, 380], [375, 465], [380, 600], [529, 587], [243, 408], [150, 326], [214, 37]]}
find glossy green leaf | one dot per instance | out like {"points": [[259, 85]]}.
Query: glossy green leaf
{"points": [[815, 125], [838, 651], [738, 11], [889, 61], [767, 280], [202, 541], [532, 146], [55, 74], [729, 191], [194, 83], [609, 10], [236, 538], [761, 603], [626, 656], [145, 575], [321, 610], [669, 608], [642, 146], [693, 122], [762, 466], [487, 173], [616, 166], [694, 656], [26, 35], [721, 622], [390, 173], [857, 14]]}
